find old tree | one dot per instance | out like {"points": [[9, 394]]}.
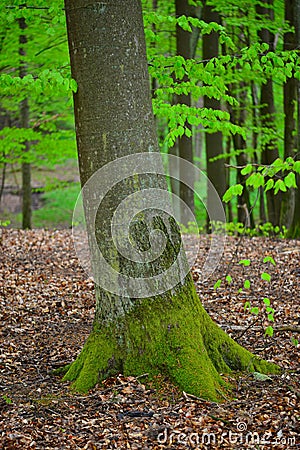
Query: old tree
{"points": [[163, 331]]}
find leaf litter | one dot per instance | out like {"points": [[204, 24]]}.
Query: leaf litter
{"points": [[47, 307]]}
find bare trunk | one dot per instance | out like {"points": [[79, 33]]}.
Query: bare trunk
{"points": [[213, 141], [262, 209], [267, 116], [238, 116], [289, 96], [295, 227], [24, 123], [185, 144]]}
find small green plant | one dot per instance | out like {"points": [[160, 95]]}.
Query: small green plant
{"points": [[295, 341], [191, 228], [4, 223], [239, 229], [7, 399], [265, 309], [268, 310]]}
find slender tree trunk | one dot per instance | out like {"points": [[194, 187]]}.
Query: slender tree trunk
{"points": [[24, 123], [4, 122], [185, 144], [213, 141], [289, 98], [262, 209], [238, 116], [167, 332], [270, 149], [295, 227]]}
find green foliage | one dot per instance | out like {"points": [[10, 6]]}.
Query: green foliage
{"points": [[267, 177], [232, 191], [247, 284], [217, 284], [7, 399], [191, 228], [239, 229], [246, 62], [245, 262], [266, 277], [47, 85]]}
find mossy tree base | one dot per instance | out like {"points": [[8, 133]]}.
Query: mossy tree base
{"points": [[170, 335]]}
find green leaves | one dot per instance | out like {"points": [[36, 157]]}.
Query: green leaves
{"points": [[183, 22], [228, 279], [246, 170], [255, 180], [73, 85], [233, 191], [290, 180], [245, 262], [247, 284], [296, 166], [266, 277], [279, 186], [217, 284], [269, 259], [47, 82], [269, 331]]}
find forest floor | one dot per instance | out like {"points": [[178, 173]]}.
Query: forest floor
{"points": [[47, 305]]}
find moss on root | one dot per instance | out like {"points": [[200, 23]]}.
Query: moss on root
{"points": [[170, 335]]}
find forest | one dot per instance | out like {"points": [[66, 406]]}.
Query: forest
{"points": [[149, 224], [224, 82]]}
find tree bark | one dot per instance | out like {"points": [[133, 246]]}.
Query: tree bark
{"points": [[24, 123], [185, 144], [213, 141], [295, 227], [290, 101], [238, 116], [170, 332], [262, 209], [267, 116]]}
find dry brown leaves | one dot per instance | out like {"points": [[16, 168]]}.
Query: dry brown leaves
{"points": [[46, 314]]}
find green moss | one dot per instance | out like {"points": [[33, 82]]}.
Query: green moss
{"points": [[61, 370], [97, 360], [171, 335]]}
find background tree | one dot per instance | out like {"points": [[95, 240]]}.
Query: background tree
{"points": [[215, 169], [289, 102], [185, 143], [269, 148], [24, 123], [35, 87], [295, 227]]}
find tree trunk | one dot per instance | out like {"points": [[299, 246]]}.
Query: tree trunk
{"points": [[238, 116], [185, 144], [295, 227], [262, 209], [167, 332], [4, 122], [289, 98], [24, 123], [267, 115], [213, 141]]}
